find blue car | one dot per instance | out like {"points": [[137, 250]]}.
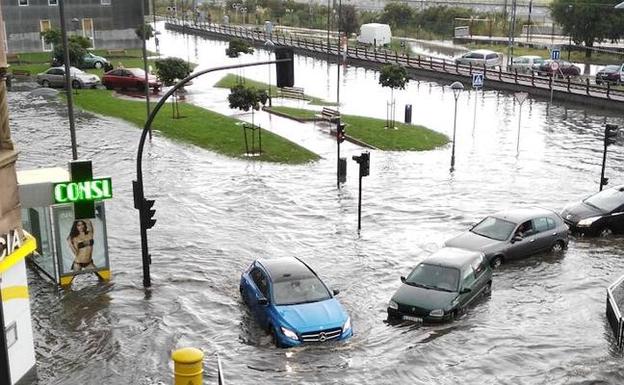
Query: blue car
{"points": [[290, 301]]}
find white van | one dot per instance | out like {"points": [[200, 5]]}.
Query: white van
{"points": [[375, 34]]}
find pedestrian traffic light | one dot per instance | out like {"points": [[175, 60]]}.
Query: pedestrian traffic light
{"points": [[285, 69], [147, 213], [340, 132], [364, 161], [605, 181], [611, 133]]}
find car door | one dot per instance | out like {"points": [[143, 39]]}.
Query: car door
{"points": [[261, 291], [56, 76], [468, 281], [524, 247], [543, 237]]}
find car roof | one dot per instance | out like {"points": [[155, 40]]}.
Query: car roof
{"points": [[452, 257], [529, 57], [523, 214], [483, 51], [285, 269]]}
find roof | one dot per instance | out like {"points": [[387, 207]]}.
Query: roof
{"points": [[285, 269], [529, 57], [452, 257], [483, 51], [522, 214]]}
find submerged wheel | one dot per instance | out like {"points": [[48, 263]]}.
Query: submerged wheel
{"points": [[605, 232], [557, 247], [274, 339], [488, 290], [497, 262], [45, 84]]}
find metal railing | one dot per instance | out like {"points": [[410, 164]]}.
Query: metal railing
{"points": [[570, 86], [614, 315]]}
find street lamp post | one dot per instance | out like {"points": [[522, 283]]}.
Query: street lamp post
{"points": [[457, 88], [68, 85], [338, 54], [570, 34]]}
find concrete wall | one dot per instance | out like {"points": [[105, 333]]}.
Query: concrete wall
{"points": [[113, 24]]}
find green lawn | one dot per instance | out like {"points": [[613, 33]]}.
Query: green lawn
{"points": [[231, 80], [36, 62], [298, 113], [369, 130], [575, 56], [198, 126]]}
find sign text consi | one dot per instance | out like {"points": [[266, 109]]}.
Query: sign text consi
{"points": [[91, 190]]}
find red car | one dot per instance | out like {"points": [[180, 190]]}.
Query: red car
{"points": [[129, 78], [566, 69]]}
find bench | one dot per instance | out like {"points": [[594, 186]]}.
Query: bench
{"points": [[292, 93], [20, 73], [329, 114], [13, 58], [116, 52]]}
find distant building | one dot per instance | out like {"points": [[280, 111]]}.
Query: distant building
{"points": [[108, 23]]}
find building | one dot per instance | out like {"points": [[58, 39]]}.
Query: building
{"points": [[108, 23]]}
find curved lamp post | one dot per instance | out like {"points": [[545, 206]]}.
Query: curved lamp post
{"points": [[140, 203], [457, 88]]}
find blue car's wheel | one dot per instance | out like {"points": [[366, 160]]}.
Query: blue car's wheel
{"points": [[274, 340]]}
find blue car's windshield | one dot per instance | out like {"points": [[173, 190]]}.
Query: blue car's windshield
{"points": [[434, 277], [494, 228], [606, 200], [302, 290]]}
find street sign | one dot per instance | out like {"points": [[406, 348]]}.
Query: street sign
{"points": [[555, 54], [477, 80], [554, 66], [521, 96]]}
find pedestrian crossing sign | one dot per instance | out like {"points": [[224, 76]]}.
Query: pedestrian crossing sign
{"points": [[555, 54], [477, 80]]}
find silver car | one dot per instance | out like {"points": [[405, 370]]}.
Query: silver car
{"points": [[524, 64], [55, 77], [480, 58], [515, 234]]}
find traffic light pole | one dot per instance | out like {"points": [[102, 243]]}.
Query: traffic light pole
{"points": [[360, 202], [610, 137], [338, 155], [139, 196], [604, 160]]}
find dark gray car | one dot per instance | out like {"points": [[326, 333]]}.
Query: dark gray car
{"points": [[514, 234]]}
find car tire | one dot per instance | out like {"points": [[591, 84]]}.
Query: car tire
{"points": [[98, 65], [488, 289], [45, 84], [605, 232], [557, 247], [108, 86], [76, 85], [274, 339], [497, 262]]}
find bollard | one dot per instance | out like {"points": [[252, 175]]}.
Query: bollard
{"points": [[188, 368]]}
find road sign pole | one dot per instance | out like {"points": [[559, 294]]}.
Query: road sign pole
{"points": [[474, 118]]}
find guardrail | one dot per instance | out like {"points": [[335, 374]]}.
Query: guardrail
{"points": [[614, 315], [565, 86]]}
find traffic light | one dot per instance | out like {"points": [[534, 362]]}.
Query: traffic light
{"points": [[605, 181], [340, 132], [286, 69], [611, 133], [364, 161], [147, 213]]}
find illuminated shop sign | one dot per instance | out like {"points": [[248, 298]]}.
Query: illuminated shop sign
{"points": [[9, 243], [90, 190]]}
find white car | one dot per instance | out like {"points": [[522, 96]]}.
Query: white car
{"points": [[524, 64], [55, 77], [480, 58]]}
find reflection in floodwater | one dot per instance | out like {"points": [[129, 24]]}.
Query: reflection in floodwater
{"points": [[544, 322]]}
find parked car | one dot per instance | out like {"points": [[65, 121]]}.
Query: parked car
{"points": [[514, 234], [524, 64], [93, 61], [441, 287], [291, 302], [599, 214], [55, 77], [610, 74], [480, 57], [566, 69], [129, 78]]}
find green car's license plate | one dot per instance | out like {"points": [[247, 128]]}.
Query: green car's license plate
{"points": [[413, 319]]}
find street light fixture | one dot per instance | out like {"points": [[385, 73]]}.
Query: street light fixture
{"points": [[457, 88]]}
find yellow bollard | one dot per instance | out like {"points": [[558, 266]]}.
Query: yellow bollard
{"points": [[188, 367]]}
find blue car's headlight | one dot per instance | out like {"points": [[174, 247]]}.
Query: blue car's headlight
{"points": [[347, 325], [289, 333]]}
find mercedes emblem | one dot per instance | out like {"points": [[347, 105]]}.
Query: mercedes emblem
{"points": [[322, 337]]}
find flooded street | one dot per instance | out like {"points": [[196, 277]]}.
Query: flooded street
{"points": [[544, 323]]}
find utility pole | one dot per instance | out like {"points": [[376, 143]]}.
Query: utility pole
{"points": [[512, 28], [143, 37], [338, 54], [68, 81], [328, 25]]}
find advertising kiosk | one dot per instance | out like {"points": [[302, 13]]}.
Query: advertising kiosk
{"points": [[70, 242]]}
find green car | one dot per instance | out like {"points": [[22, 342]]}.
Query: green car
{"points": [[93, 61], [441, 287]]}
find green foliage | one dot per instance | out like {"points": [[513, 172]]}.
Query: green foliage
{"points": [[237, 47], [149, 31], [77, 50], [246, 98], [52, 36], [172, 69], [393, 76], [588, 21], [350, 21], [397, 14], [440, 19]]}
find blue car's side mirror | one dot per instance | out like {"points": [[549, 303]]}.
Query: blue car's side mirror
{"points": [[336, 291], [263, 301], [403, 279]]}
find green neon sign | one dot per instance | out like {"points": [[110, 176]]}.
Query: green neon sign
{"points": [[90, 190]]}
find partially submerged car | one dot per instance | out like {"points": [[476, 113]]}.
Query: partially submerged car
{"points": [[480, 58], [290, 301], [599, 214], [55, 77], [514, 234], [524, 64], [441, 287]]}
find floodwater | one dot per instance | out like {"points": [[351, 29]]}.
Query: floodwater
{"points": [[544, 323]]}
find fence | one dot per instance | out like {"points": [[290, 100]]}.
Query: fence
{"points": [[614, 315]]}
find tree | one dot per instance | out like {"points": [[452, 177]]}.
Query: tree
{"points": [[397, 14], [247, 98], [77, 50], [237, 47], [169, 71], [149, 31], [52, 36], [393, 76], [350, 22], [588, 21]]}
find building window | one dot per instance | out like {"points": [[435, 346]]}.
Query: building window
{"points": [[105, 2], [22, 3], [52, 2]]}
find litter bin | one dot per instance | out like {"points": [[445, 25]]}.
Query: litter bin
{"points": [[342, 170], [408, 113]]}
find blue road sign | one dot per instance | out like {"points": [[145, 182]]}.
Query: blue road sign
{"points": [[477, 80], [555, 54]]}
